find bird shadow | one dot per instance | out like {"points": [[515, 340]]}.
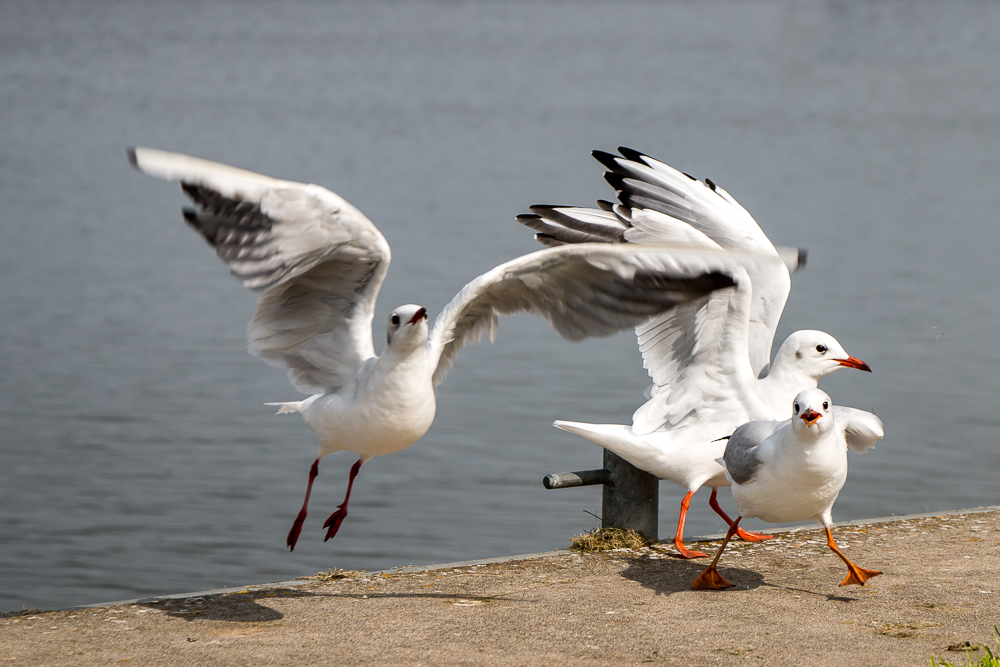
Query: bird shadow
{"points": [[668, 576], [229, 607]]}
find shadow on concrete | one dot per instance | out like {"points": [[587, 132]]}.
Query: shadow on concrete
{"points": [[667, 576], [230, 607]]}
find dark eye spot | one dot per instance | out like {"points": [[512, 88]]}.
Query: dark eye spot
{"points": [[821, 349], [795, 407], [826, 405], [394, 319]]}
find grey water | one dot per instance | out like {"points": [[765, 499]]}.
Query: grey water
{"points": [[136, 455]]}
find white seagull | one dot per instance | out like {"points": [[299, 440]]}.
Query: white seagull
{"points": [[318, 264], [708, 358], [790, 471]]}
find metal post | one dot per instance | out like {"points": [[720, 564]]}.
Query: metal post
{"points": [[631, 496]]}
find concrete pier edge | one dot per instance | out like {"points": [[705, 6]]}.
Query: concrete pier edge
{"points": [[521, 557]]}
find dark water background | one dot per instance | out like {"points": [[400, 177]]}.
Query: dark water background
{"points": [[136, 456]]}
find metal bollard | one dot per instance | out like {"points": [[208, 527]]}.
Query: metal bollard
{"points": [[631, 496]]}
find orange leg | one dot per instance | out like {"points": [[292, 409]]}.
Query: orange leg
{"points": [[679, 537], [710, 578], [742, 534], [855, 575]]}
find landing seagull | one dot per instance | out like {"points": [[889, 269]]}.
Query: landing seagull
{"points": [[318, 263], [708, 358], [790, 471]]}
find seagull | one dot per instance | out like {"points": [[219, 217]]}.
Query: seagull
{"points": [[793, 470], [318, 263], [708, 358]]}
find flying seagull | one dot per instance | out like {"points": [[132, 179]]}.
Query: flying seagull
{"points": [[794, 470], [318, 263], [708, 358]]}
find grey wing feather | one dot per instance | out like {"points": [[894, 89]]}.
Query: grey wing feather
{"points": [[316, 261], [741, 458], [861, 429], [583, 290]]}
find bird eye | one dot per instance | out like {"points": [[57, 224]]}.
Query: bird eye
{"points": [[826, 405], [394, 319], [821, 349], [795, 407]]}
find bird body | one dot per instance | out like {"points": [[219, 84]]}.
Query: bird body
{"points": [[709, 359], [794, 470], [318, 264]]}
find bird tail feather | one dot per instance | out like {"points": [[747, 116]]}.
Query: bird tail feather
{"points": [[288, 408]]}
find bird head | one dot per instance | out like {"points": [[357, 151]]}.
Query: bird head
{"points": [[812, 411], [407, 327], [816, 354]]}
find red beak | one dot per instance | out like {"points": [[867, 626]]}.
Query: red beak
{"points": [[419, 315], [852, 362], [810, 417]]}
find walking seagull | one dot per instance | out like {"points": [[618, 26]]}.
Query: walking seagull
{"points": [[794, 470], [708, 358], [318, 264]]}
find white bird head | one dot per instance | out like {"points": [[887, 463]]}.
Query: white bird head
{"points": [[812, 412], [407, 328], [816, 354]]}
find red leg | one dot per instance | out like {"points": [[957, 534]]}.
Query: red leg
{"points": [[742, 534], [710, 578], [679, 537], [855, 575], [337, 518], [293, 534]]}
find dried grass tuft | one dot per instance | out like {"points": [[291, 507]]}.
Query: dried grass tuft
{"points": [[606, 539]]}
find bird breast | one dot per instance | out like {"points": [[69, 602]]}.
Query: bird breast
{"points": [[390, 408]]}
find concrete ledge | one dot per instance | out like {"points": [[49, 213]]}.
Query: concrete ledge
{"points": [[510, 559], [940, 590]]}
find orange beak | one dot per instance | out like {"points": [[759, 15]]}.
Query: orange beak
{"points": [[852, 362], [810, 417], [419, 315]]}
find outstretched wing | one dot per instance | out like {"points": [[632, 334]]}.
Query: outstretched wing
{"points": [[741, 457], [659, 204], [583, 291], [861, 429], [698, 359], [317, 262]]}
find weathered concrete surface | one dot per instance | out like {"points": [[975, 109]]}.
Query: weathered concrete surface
{"points": [[941, 587]]}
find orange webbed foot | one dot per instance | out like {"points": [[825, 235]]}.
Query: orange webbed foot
{"points": [[687, 554], [710, 579], [752, 537], [858, 575]]}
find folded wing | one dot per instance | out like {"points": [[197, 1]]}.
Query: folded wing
{"points": [[317, 262]]}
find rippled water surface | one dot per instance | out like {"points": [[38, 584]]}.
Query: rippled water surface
{"points": [[136, 456]]}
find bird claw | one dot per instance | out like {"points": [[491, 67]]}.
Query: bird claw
{"points": [[858, 575], [710, 579], [293, 534], [333, 522]]}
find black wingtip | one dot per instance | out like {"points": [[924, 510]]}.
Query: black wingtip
{"points": [[609, 160], [803, 254], [617, 181], [709, 183], [631, 154], [130, 150], [606, 205]]}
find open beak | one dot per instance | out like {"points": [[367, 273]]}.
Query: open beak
{"points": [[852, 362], [422, 315], [810, 417]]}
